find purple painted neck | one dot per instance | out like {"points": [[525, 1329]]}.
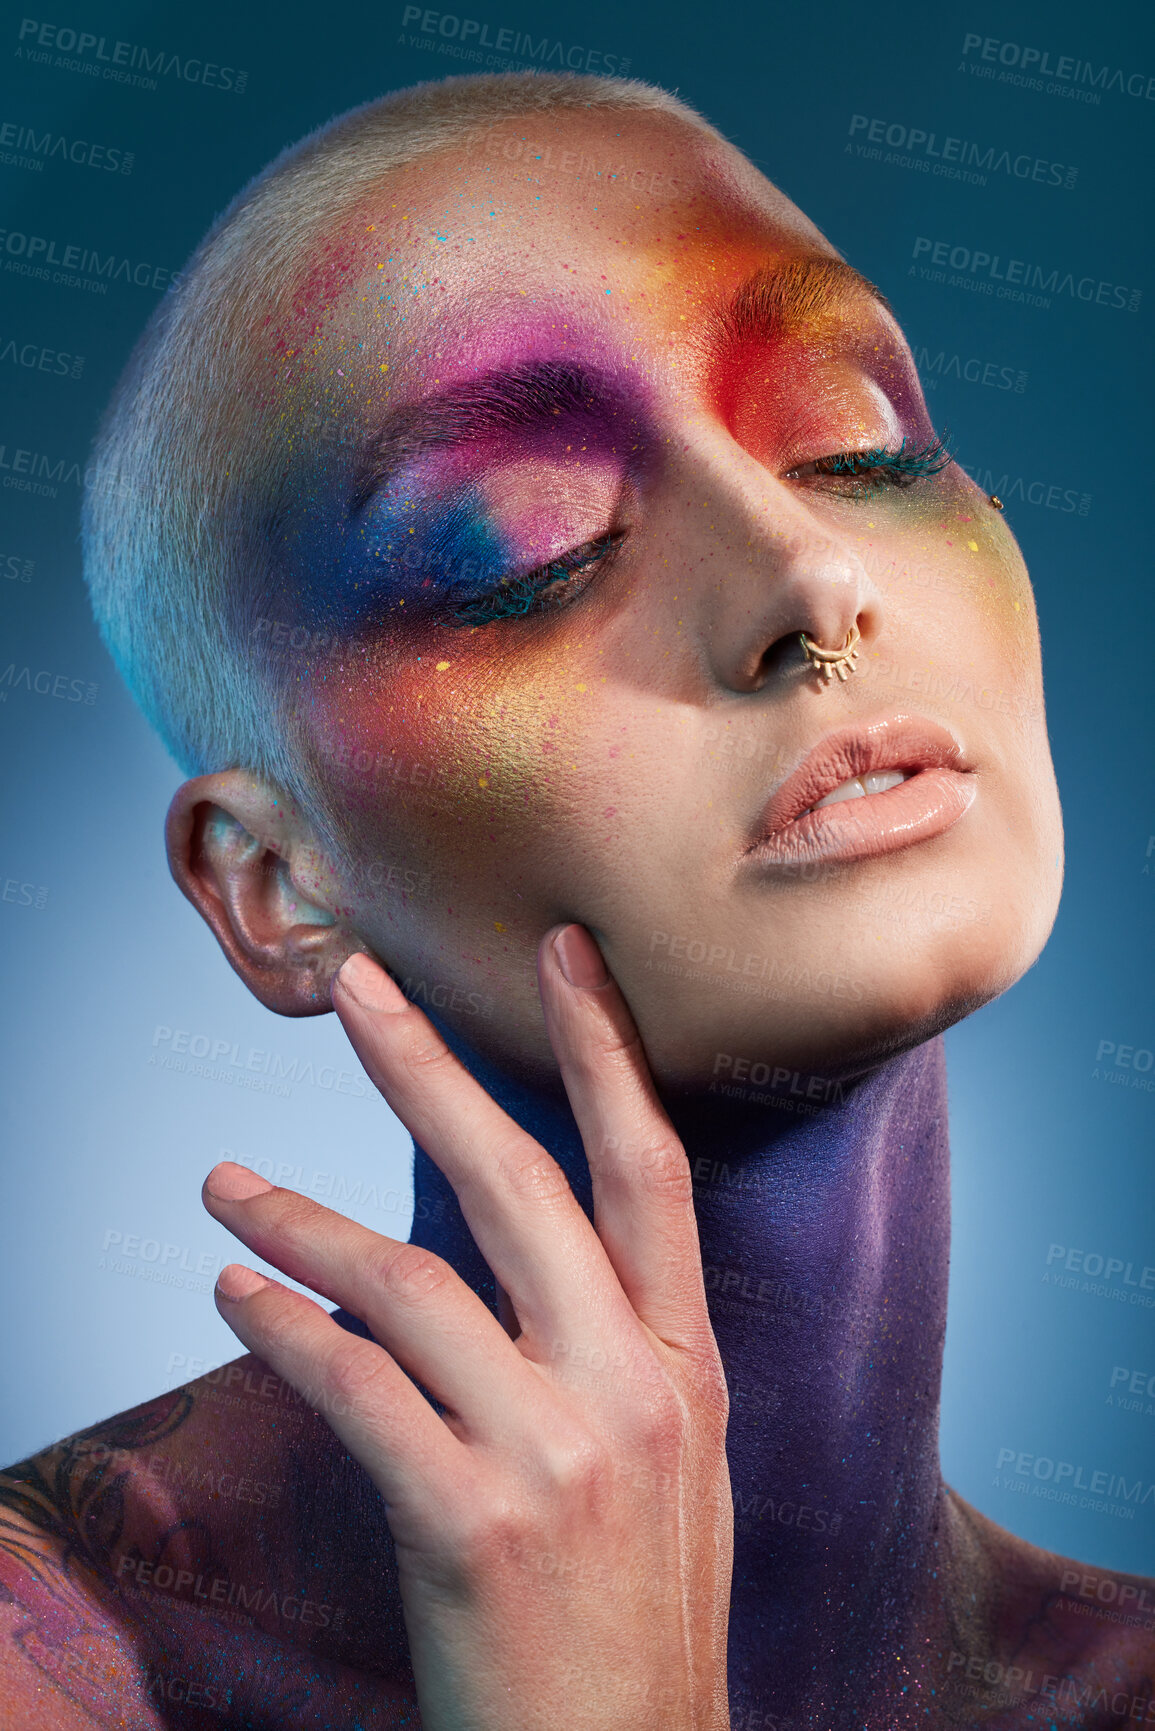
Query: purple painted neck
{"points": [[825, 1242]]}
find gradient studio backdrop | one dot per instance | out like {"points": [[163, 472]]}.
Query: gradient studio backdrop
{"points": [[107, 1256]]}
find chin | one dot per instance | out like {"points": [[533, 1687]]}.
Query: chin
{"points": [[913, 987]]}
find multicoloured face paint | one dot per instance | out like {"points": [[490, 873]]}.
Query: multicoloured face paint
{"points": [[598, 467], [470, 506]]}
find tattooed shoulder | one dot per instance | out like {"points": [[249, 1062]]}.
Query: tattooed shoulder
{"points": [[62, 1513], [212, 1558]]}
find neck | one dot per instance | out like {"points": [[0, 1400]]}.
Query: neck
{"points": [[825, 1238]]}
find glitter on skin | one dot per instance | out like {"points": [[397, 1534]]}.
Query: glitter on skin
{"points": [[566, 765]]}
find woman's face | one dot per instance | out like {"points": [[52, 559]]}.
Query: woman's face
{"points": [[575, 459]]}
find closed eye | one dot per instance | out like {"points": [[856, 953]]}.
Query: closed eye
{"points": [[860, 474], [553, 585]]}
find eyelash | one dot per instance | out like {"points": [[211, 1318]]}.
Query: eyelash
{"points": [[866, 472], [529, 593]]}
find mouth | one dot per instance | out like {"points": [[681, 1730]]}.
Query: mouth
{"points": [[865, 791]]}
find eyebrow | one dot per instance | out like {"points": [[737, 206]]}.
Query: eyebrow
{"points": [[771, 301], [775, 300], [509, 401]]}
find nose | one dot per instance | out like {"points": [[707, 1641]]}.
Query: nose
{"points": [[773, 568]]}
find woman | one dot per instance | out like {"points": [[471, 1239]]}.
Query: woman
{"points": [[507, 547]]}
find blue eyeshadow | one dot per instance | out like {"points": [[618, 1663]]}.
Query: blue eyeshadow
{"points": [[435, 558]]}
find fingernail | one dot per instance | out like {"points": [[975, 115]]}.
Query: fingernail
{"points": [[232, 1183], [579, 958], [236, 1281], [370, 986]]}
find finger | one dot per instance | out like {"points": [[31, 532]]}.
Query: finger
{"points": [[643, 1193], [516, 1200], [366, 1399], [418, 1308]]}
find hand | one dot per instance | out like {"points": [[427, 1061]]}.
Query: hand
{"points": [[564, 1526]]}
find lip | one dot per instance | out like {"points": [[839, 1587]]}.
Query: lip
{"points": [[940, 787]]}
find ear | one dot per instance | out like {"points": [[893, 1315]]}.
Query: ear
{"points": [[247, 860]]}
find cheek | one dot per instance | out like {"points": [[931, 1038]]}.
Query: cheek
{"points": [[472, 765], [949, 563]]}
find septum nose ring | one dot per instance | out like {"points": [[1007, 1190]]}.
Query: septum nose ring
{"points": [[832, 661]]}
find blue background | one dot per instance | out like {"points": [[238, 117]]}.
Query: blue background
{"points": [[101, 1141]]}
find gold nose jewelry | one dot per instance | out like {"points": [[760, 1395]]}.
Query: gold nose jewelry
{"points": [[832, 661]]}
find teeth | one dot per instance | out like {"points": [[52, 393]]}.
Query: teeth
{"points": [[878, 781]]}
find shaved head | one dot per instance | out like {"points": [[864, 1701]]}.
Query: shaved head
{"points": [[183, 541]]}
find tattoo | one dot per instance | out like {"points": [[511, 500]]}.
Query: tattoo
{"points": [[77, 1516], [180, 1628]]}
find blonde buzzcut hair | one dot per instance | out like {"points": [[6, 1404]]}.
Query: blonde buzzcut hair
{"points": [[185, 478]]}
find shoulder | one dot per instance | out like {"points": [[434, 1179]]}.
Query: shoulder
{"points": [[1076, 1635], [62, 1663], [209, 1555]]}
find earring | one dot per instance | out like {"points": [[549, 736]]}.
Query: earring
{"points": [[995, 501], [832, 661]]}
